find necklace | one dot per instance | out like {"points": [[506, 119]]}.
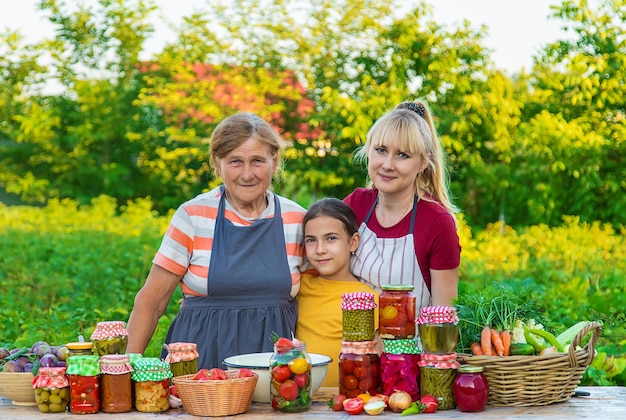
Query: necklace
{"points": [[381, 216]]}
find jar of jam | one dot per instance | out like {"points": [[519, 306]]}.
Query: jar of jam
{"points": [[358, 316], [115, 383], [396, 315], [437, 374], [80, 349], [52, 389], [110, 337], [471, 389], [399, 367], [83, 372], [359, 369], [152, 385], [183, 358], [438, 328], [290, 368]]}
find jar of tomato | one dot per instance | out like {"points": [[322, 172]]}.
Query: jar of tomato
{"points": [[52, 389], [152, 385], [183, 358], [290, 368], [438, 328], [399, 368], [471, 389], [110, 337], [359, 369], [358, 309], [115, 383], [83, 372], [437, 374], [396, 315]]}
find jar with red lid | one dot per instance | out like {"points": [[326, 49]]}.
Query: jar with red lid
{"points": [[437, 374], [183, 358], [83, 372], [438, 328], [359, 369], [471, 388], [115, 383], [396, 314], [358, 311], [110, 337], [399, 368], [52, 389]]}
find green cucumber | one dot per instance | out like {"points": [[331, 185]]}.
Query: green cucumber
{"points": [[522, 349]]}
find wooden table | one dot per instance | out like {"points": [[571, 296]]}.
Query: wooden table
{"points": [[603, 403]]}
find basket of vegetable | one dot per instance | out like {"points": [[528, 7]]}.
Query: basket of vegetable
{"points": [[215, 392], [524, 363]]}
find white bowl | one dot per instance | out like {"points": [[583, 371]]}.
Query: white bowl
{"points": [[260, 364]]}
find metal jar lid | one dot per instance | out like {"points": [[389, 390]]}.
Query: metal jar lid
{"points": [[470, 369], [398, 287]]}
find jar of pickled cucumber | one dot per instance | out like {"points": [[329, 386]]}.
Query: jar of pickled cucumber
{"points": [[80, 349], [438, 328], [110, 337], [152, 385], [437, 375], [52, 390], [359, 369], [83, 372], [399, 367], [183, 358], [115, 383], [358, 316], [396, 315]]}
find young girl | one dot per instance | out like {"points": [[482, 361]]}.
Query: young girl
{"points": [[330, 238]]}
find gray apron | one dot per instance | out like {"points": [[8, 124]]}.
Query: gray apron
{"points": [[249, 292]]}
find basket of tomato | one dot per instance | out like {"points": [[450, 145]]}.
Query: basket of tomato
{"points": [[215, 392]]}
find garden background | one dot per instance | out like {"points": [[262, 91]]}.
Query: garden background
{"points": [[537, 158]]}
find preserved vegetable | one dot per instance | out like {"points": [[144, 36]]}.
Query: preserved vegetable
{"points": [[358, 316], [183, 358], [83, 372], [110, 337], [115, 384], [399, 370], [359, 369], [290, 371], [52, 390], [437, 374], [152, 385], [438, 328], [396, 315]]}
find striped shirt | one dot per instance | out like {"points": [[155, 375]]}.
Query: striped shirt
{"points": [[186, 246]]}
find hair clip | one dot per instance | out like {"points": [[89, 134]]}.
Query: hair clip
{"points": [[420, 109]]}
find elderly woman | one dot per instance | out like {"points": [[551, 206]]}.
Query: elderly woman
{"points": [[235, 252]]}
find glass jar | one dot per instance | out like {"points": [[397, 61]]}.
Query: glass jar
{"points": [[358, 316], [83, 372], [290, 368], [438, 328], [437, 374], [183, 358], [110, 337], [396, 315], [399, 368], [471, 389], [52, 389], [152, 385], [115, 383], [359, 369], [80, 349]]}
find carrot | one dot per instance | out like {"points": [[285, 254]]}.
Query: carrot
{"points": [[485, 341], [476, 351], [505, 335], [497, 342]]}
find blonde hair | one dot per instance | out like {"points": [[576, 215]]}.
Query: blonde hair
{"points": [[409, 127]]}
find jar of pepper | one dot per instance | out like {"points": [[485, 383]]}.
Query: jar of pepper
{"points": [[358, 311], [110, 337], [115, 383], [83, 372], [399, 368], [183, 358], [359, 368], [152, 385], [396, 315]]}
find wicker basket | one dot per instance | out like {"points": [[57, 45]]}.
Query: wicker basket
{"points": [[522, 381], [212, 398]]}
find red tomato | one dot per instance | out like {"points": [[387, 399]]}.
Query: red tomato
{"points": [[202, 375], [281, 373], [430, 404], [173, 391], [301, 380], [350, 382], [283, 344], [347, 366], [289, 390], [360, 372], [245, 373], [275, 402], [353, 405], [336, 402], [217, 374]]}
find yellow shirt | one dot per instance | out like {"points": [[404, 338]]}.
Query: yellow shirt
{"points": [[320, 322]]}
